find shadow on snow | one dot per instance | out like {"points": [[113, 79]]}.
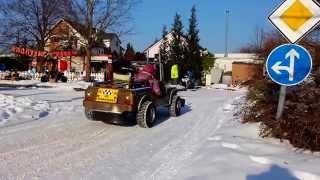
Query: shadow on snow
{"points": [[128, 120], [275, 172]]}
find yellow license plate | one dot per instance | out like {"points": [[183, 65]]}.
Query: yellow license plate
{"points": [[107, 95]]}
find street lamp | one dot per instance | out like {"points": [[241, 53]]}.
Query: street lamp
{"points": [[226, 33]]}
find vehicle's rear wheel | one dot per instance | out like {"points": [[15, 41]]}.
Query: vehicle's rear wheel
{"points": [[146, 116], [176, 106], [89, 115]]}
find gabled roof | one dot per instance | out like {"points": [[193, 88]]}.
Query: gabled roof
{"points": [[159, 41], [81, 29]]}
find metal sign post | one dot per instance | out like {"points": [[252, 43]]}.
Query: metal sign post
{"points": [[282, 99]]}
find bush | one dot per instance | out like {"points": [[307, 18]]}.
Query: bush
{"points": [[263, 91], [300, 124], [207, 63], [317, 79], [260, 94]]}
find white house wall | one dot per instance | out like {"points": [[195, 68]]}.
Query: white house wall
{"points": [[152, 51], [225, 63]]}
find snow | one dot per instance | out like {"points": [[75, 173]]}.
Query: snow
{"points": [[236, 152], [260, 160], [226, 87], [45, 135], [20, 109], [4, 84], [25, 101]]}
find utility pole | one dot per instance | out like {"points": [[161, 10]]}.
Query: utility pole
{"points": [[226, 33]]}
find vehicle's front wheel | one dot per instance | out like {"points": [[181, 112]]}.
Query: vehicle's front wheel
{"points": [[176, 106], [146, 116]]}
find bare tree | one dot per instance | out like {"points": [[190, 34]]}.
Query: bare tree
{"points": [[99, 16], [28, 22], [256, 44]]}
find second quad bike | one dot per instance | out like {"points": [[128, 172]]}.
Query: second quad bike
{"points": [[123, 96]]}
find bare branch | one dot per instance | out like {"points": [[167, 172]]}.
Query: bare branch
{"points": [[30, 19]]}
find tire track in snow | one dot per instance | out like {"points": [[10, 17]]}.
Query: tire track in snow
{"points": [[171, 157]]}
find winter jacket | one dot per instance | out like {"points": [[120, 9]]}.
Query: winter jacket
{"points": [[174, 72], [147, 75]]}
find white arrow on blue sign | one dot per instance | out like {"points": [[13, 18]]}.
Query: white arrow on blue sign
{"points": [[289, 64]]}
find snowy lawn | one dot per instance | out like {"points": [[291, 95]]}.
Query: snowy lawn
{"points": [[25, 101], [44, 135]]}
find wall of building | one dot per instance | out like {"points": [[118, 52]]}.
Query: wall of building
{"points": [[63, 32], [115, 45], [243, 72], [225, 63], [77, 63], [154, 50]]}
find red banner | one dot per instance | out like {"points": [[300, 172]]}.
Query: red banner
{"points": [[37, 53]]}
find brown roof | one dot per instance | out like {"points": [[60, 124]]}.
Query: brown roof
{"points": [[80, 28]]}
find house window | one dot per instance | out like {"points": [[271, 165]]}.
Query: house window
{"points": [[107, 43], [55, 39]]}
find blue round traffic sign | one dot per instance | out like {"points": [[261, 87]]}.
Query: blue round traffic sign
{"points": [[289, 64]]}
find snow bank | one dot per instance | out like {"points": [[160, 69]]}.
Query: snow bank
{"points": [[68, 86], [38, 84], [226, 87], [22, 82], [21, 108]]}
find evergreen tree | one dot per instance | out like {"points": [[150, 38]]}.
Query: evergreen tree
{"points": [[164, 47], [129, 55], [193, 54], [130, 47], [176, 45]]}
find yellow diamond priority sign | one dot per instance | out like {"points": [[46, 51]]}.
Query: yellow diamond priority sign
{"points": [[295, 18]]}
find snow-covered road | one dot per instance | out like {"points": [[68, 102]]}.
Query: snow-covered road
{"points": [[55, 141]]}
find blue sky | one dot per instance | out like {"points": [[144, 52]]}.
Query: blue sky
{"points": [[246, 15]]}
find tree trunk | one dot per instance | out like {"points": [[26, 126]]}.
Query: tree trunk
{"points": [[88, 64]]}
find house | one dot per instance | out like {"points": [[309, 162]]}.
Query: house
{"points": [[241, 67], [225, 63], [152, 52], [70, 35]]}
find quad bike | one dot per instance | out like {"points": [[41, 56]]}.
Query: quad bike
{"points": [[123, 95], [187, 82]]}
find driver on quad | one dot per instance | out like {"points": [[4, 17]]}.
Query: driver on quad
{"points": [[148, 74]]}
